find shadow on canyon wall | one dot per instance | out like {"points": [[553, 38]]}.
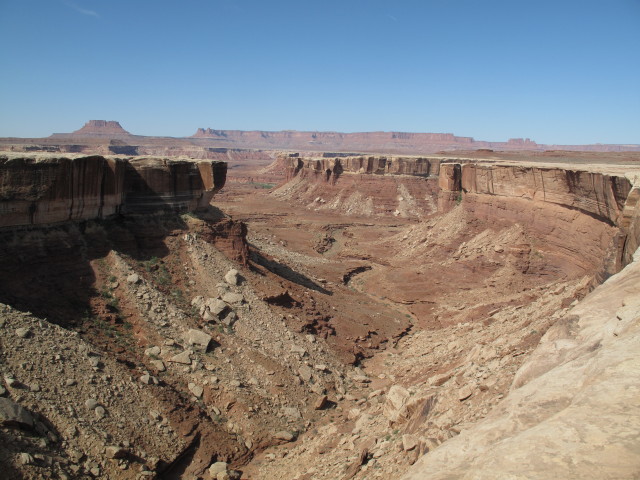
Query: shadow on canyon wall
{"points": [[47, 270]]}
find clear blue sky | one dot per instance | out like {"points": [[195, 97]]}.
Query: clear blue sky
{"points": [[559, 71]]}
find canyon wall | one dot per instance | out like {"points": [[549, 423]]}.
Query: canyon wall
{"points": [[583, 221], [331, 168], [41, 189], [597, 194], [363, 185], [583, 217]]}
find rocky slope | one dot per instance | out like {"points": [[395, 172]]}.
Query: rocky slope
{"points": [[161, 348], [572, 411]]}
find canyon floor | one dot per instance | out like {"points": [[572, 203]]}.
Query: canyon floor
{"points": [[330, 342]]}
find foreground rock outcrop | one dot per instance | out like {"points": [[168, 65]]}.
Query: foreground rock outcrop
{"points": [[573, 408]]}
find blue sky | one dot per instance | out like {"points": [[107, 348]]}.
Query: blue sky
{"points": [[561, 71]]}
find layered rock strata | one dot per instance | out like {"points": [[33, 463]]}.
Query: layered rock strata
{"points": [[42, 190], [568, 208], [364, 185], [332, 168], [585, 221]]}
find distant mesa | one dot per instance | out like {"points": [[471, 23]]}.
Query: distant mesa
{"points": [[208, 133], [402, 143], [97, 128], [101, 127], [388, 142]]}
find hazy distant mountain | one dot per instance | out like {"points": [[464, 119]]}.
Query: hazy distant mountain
{"points": [[375, 142]]}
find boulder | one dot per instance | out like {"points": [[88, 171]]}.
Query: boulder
{"points": [[182, 357], [284, 435], [464, 393], [321, 402], [152, 351], [14, 415], [230, 319], [196, 389], [113, 451], [439, 380], [395, 404], [198, 339], [158, 365], [231, 297], [292, 412], [409, 442], [215, 307], [23, 332], [232, 277], [216, 468], [305, 373]]}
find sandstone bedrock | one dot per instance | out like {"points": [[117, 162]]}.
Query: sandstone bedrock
{"points": [[46, 189]]}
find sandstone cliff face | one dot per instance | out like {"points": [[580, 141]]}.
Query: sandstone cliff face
{"points": [[630, 222], [583, 221], [578, 215], [331, 168], [597, 194], [364, 185], [41, 190]]}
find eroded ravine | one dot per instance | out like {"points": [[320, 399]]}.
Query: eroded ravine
{"points": [[304, 345], [496, 285]]}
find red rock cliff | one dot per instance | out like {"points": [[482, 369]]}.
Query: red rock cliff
{"points": [[566, 207], [40, 190], [364, 185], [583, 220]]}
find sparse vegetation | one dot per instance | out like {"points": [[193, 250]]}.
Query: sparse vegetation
{"points": [[266, 186], [158, 271]]}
